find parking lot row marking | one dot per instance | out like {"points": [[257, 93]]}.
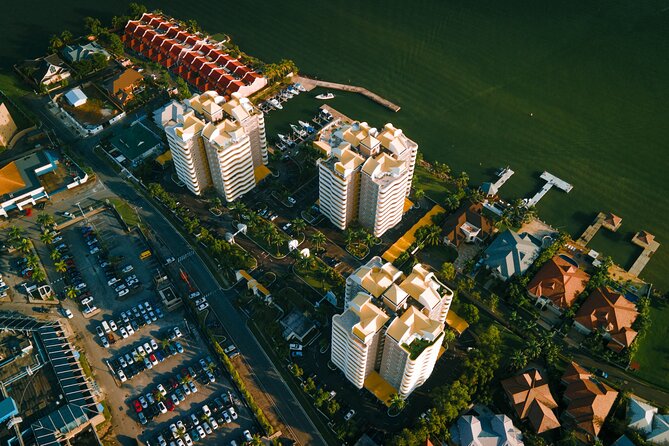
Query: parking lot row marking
{"points": [[185, 256]]}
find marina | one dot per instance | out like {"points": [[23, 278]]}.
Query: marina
{"points": [[310, 84], [551, 180]]}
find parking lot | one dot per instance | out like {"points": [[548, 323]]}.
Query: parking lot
{"points": [[127, 318]]}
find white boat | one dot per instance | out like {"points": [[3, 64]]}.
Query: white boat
{"points": [[292, 90], [298, 130], [325, 96], [284, 139], [299, 86], [304, 125], [274, 103]]}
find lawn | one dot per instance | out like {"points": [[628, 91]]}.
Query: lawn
{"points": [[434, 188], [435, 256], [126, 211], [653, 353], [317, 277]]}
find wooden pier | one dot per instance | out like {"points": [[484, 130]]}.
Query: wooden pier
{"points": [[607, 220], [649, 245], [310, 84], [551, 180]]}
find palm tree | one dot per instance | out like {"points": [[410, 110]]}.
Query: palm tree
{"points": [[256, 441], [397, 402], [303, 262], [38, 275], [318, 239], [46, 237], [15, 234], [32, 261], [24, 245], [432, 236], [61, 267], [349, 236], [45, 220], [238, 209], [518, 360], [476, 195], [216, 202], [419, 194], [71, 293], [299, 225], [55, 255]]}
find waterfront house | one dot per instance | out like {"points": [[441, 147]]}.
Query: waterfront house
{"points": [[511, 253], [124, 86], [78, 53], [645, 419], [48, 71], [610, 312], [467, 225], [589, 401], [558, 283], [485, 430], [532, 400]]}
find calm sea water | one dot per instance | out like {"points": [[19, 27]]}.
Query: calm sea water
{"points": [[578, 88]]}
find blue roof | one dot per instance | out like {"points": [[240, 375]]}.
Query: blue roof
{"points": [[511, 253], [7, 409]]}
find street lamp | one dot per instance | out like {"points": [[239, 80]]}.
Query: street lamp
{"points": [[83, 214]]}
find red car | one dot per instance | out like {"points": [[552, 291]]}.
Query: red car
{"points": [[138, 406], [169, 404]]}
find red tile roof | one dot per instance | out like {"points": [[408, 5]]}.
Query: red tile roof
{"points": [[558, 281], [531, 397], [589, 401], [607, 310]]}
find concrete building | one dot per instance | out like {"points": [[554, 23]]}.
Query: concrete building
{"points": [[190, 160], [367, 176], [402, 323], [356, 335], [217, 143], [7, 126], [228, 150]]}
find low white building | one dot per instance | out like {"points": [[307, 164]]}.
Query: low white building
{"points": [[645, 418], [76, 97]]}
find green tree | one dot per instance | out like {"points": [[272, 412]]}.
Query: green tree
{"points": [[321, 397], [71, 293], [318, 239], [60, 266], [476, 195], [14, 234], [518, 360], [93, 25], [98, 61], [66, 36], [46, 237], [429, 235], [24, 245], [55, 255], [45, 220], [470, 313], [419, 194], [115, 44], [447, 271], [256, 441], [299, 225], [397, 402], [333, 407], [136, 10], [55, 44], [184, 89], [38, 275], [238, 209]]}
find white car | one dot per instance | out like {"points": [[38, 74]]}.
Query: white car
{"points": [[214, 424], [161, 407], [128, 358], [112, 281], [95, 250], [200, 432], [202, 306], [127, 269], [194, 419], [188, 440], [161, 389], [80, 286], [122, 376], [227, 418], [130, 330], [123, 292], [247, 435], [169, 260], [194, 294], [125, 318], [154, 344], [201, 301], [206, 411], [349, 415], [177, 332], [105, 342], [207, 428], [113, 326], [68, 314], [175, 431], [147, 348], [175, 399], [119, 288], [148, 364], [141, 350], [122, 361], [233, 414]]}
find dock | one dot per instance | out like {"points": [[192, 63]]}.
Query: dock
{"points": [[309, 84], [606, 220], [649, 244], [551, 181], [504, 176]]}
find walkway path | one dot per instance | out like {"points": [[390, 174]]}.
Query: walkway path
{"points": [[310, 84], [551, 180]]}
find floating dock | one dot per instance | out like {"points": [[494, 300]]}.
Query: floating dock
{"points": [[551, 180], [309, 84]]}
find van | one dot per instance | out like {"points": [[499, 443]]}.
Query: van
{"points": [[106, 327]]}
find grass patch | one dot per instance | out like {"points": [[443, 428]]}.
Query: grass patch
{"points": [[86, 366], [125, 211], [434, 188], [652, 354], [320, 276]]}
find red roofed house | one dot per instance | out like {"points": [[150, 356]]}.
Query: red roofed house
{"points": [[467, 225], [607, 310], [531, 397], [588, 400], [557, 284]]}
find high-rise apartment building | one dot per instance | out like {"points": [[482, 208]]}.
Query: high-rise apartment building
{"points": [[367, 176], [218, 143], [392, 325]]}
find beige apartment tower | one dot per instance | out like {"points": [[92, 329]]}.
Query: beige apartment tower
{"points": [[392, 325], [367, 176], [218, 143]]}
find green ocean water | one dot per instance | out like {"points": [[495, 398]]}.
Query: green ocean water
{"points": [[578, 88]]}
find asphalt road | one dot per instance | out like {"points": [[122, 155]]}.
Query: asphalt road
{"points": [[286, 404]]}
